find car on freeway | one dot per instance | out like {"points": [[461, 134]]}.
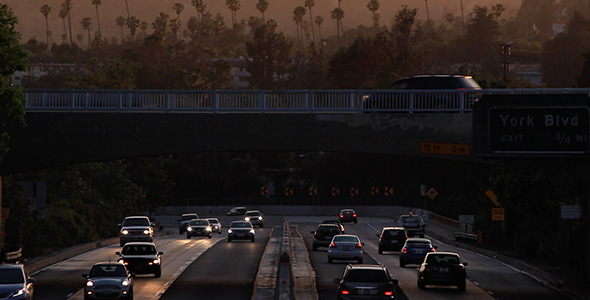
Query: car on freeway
{"points": [[215, 225], [323, 235], [199, 227], [241, 230], [391, 239], [141, 258], [366, 282], [255, 217], [414, 251], [414, 224], [237, 211], [347, 215], [184, 220], [388, 99], [15, 283], [337, 222], [136, 229], [442, 268], [345, 247], [108, 280]]}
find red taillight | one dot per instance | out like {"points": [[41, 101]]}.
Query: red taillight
{"points": [[341, 215], [332, 245], [354, 215], [345, 292], [359, 245], [405, 250], [388, 293], [431, 249]]}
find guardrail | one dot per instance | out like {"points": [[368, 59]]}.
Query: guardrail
{"points": [[261, 101]]}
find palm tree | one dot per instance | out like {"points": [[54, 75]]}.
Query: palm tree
{"points": [[160, 25], [143, 26], [121, 22], [309, 4], [63, 14], [338, 14], [201, 7], [133, 24], [97, 3], [262, 6], [234, 6], [178, 8], [298, 14], [45, 10], [174, 26], [87, 25], [373, 7], [67, 7], [319, 20]]}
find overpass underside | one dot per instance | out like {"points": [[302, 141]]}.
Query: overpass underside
{"points": [[53, 139]]}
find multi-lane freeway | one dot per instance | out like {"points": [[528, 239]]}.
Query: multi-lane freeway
{"points": [[202, 268]]}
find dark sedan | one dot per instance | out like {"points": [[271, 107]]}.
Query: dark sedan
{"points": [[347, 215], [108, 281], [141, 258], [442, 268], [241, 230], [414, 251]]}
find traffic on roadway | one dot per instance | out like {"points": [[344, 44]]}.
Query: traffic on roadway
{"points": [[211, 267]]}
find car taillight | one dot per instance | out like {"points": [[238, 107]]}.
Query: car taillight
{"points": [[332, 245], [354, 215], [405, 250], [345, 292], [359, 245], [341, 215], [431, 249], [388, 293]]}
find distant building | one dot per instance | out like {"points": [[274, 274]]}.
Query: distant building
{"points": [[530, 73], [238, 70], [38, 70]]}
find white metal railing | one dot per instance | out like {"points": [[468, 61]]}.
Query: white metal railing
{"points": [[260, 101]]}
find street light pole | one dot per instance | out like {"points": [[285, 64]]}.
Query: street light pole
{"points": [[505, 50]]}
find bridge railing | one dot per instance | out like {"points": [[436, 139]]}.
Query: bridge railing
{"points": [[260, 101]]}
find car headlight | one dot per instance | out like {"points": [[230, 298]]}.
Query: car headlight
{"points": [[155, 262], [89, 283], [122, 261], [146, 231], [247, 218], [208, 228], [230, 231], [124, 232], [252, 230], [19, 292], [189, 228], [260, 218], [125, 282]]}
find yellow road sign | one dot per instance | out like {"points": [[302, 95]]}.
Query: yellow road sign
{"points": [[490, 194], [388, 191], [498, 214], [374, 191], [431, 193], [264, 191], [354, 192], [313, 191], [288, 191], [335, 191], [444, 148]]}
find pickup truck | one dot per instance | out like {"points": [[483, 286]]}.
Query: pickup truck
{"points": [[136, 229], [413, 224]]}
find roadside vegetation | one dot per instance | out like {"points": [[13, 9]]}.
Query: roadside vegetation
{"points": [[86, 201]]}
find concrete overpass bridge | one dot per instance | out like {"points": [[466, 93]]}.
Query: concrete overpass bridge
{"points": [[72, 126]]}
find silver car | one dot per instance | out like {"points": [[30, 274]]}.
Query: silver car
{"points": [[346, 246], [108, 281], [14, 282], [215, 225]]}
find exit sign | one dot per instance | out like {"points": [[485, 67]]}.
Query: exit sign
{"points": [[538, 129]]}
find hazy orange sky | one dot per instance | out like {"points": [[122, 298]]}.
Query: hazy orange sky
{"points": [[32, 22]]}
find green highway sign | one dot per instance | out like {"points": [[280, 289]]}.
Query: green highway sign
{"points": [[539, 129]]}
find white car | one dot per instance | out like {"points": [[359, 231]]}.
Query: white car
{"points": [[215, 225], [15, 283], [346, 247]]}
